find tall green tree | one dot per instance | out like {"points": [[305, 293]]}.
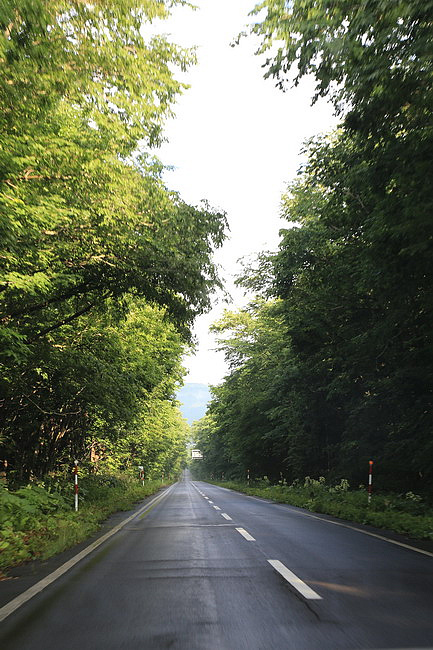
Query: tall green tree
{"points": [[354, 274], [81, 220], [254, 423], [358, 309], [88, 229], [98, 382]]}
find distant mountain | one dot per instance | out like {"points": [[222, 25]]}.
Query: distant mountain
{"points": [[194, 399]]}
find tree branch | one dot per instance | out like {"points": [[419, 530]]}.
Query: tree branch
{"points": [[51, 301], [65, 321]]}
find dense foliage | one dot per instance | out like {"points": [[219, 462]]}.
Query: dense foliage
{"points": [[102, 268], [336, 366]]}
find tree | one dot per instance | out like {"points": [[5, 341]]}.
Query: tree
{"points": [[88, 229], [358, 308], [245, 429], [94, 56], [355, 277], [373, 57], [99, 382], [81, 220]]}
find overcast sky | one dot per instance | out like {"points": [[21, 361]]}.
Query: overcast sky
{"points": [[236, 142]]}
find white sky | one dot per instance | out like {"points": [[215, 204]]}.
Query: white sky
{"points": [[235, 142]]}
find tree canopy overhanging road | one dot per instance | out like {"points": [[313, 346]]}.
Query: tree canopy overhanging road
{"points": [[103, 269]]}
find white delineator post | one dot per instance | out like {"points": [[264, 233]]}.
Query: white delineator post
{"points": [[370, 480], [76, 484]]}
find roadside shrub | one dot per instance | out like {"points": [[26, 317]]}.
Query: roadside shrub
{"points": [[403, 513], [23, 508], [37, 523]]}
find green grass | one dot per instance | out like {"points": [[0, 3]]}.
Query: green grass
{"points": [[38, 521], [406, 514]]}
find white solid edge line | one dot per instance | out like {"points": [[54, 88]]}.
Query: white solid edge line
{"points": [[223, 514], [245, 534], [293, 579], [14, 604], [366, 532], [335, 523], [216, 508]]}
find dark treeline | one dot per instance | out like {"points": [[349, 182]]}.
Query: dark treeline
{"points": [[331, 365], [102, 268]]}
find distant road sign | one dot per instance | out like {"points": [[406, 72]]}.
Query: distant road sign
{"points": [[196, 453]]}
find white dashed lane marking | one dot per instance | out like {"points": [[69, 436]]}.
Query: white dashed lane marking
{"points": [[293, 579], [245, 534], [288, 575]]}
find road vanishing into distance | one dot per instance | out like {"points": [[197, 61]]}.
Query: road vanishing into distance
{"points": [[200, 567]]}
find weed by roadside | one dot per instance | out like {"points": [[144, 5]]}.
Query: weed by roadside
{"points": [[405, 513], [38, 521]]}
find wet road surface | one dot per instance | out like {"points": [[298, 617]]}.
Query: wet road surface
{"points": [[206, 568]]}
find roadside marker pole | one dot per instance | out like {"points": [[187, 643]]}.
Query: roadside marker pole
{"points": [[4, 472], [248, 476], [76, 484], [370, 480]]}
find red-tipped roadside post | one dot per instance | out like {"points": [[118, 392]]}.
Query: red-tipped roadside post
{"points": [[370, 480], [76, 484]]}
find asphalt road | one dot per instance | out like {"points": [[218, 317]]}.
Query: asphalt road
{"points": [[183, 576]]}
